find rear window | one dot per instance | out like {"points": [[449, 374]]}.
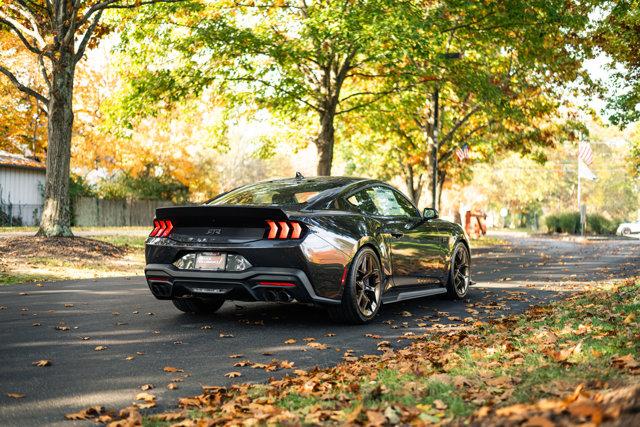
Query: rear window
{"points": [[276, 193]]}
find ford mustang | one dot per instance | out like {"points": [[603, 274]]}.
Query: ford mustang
{"points": [[348, 244]]}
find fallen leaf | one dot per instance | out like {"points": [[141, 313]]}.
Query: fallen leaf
{"points": [[100, 348], [376, 418], [290, 341], [16, 395], [147, 397], [439, 404], [317, 345], [232, 374], [86, 414], [42, 363], [171, 369], [145, 387], [172, 386]]}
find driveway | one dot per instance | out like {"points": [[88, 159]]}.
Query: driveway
{"points": [[65, 322]]}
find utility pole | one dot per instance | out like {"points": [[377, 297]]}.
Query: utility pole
{"points": [[435, 146], [435, 134]]}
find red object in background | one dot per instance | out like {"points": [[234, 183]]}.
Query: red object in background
{"points": [[475, 223]]}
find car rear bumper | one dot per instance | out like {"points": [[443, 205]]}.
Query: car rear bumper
{"points": [[254, 284]]}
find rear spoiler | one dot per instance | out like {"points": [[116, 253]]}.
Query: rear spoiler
{"points": [[205, 212]]}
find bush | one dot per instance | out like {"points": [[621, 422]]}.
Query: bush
{"points": [[143, 187], [570, 222], [598, 224], [565, 222], [553, 223]]}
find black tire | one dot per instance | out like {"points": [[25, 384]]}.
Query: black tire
{"points": [[362, 295], [198, 306], [459, 272], [626, 231]]}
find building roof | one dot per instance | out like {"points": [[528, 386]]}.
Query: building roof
{"points": [[10, 160]]}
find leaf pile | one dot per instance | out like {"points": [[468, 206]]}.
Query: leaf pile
{"points": [[569, 363]]}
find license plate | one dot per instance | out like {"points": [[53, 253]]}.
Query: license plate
{"points": [[211, 261]]}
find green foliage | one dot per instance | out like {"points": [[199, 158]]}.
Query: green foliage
{"points": [[598, 224], [565, 222], [142, 187], [618, 35], [552, 223], [569, 222]]}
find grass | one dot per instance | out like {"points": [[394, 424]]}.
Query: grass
{"points": [[461, 377], [14, 279], [487, 241], [123, 241], [115, 230], [51, 264]]}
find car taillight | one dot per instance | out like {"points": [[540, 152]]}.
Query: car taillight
{"points": [[161, 228], [283, 230]]}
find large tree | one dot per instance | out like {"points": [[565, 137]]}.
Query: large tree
{"points": [[617, 33], [296, 57], [56, 33], [498, 69]]}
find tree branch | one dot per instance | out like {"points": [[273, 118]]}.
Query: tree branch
{"points": [[459, 123], [87, 36], [22, 87], [112, 4], [16, 29]]}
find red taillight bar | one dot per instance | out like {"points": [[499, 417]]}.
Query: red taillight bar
{"points": [[273, 229], [297, 230], [283, 230], [161, 228]]}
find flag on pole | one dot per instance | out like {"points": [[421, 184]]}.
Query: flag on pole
{"points": [[585, 153], [584, 171], [463, 152]]}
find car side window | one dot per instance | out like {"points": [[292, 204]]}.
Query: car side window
{"points": [[407, 205], [390, 203], [362, 201]]}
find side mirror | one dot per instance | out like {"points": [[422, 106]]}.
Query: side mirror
{"points": [[429, 213]]}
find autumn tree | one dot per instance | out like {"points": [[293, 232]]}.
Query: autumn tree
{"points": [[296, 57], [57, 34], [492, 78]]}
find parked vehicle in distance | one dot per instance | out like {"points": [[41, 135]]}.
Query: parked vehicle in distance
{"points": [[349, 244], [628, 228]]}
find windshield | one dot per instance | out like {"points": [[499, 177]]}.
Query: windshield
{"points": [[276, 193]]}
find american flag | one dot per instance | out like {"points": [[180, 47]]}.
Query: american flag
{"points": [[463, 152], [585, 153]]}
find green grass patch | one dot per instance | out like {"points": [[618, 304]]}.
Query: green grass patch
{"points": [[126, 241], [487, 241], [14, 279]]}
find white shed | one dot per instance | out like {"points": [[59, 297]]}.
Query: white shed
{"points": [[21, 189]]}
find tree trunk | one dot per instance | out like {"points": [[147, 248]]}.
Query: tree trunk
{"points": [[56, 219], [441, 178], [414, 188], [325, 141]]}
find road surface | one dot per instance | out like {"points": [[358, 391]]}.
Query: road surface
{"points": [[64, 322]]}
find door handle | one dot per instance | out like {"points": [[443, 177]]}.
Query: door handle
{"points": [[396, 234]]}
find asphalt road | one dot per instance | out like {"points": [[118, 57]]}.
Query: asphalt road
{"points": [[121, 315]]}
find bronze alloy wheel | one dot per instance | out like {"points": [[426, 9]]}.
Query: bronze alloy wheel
{"points": [[460, 273], [368, 284]]}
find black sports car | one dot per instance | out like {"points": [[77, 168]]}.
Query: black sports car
{"points": [[349, 244]]}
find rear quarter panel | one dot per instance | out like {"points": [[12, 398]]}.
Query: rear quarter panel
{"points": [[346, 232]]}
